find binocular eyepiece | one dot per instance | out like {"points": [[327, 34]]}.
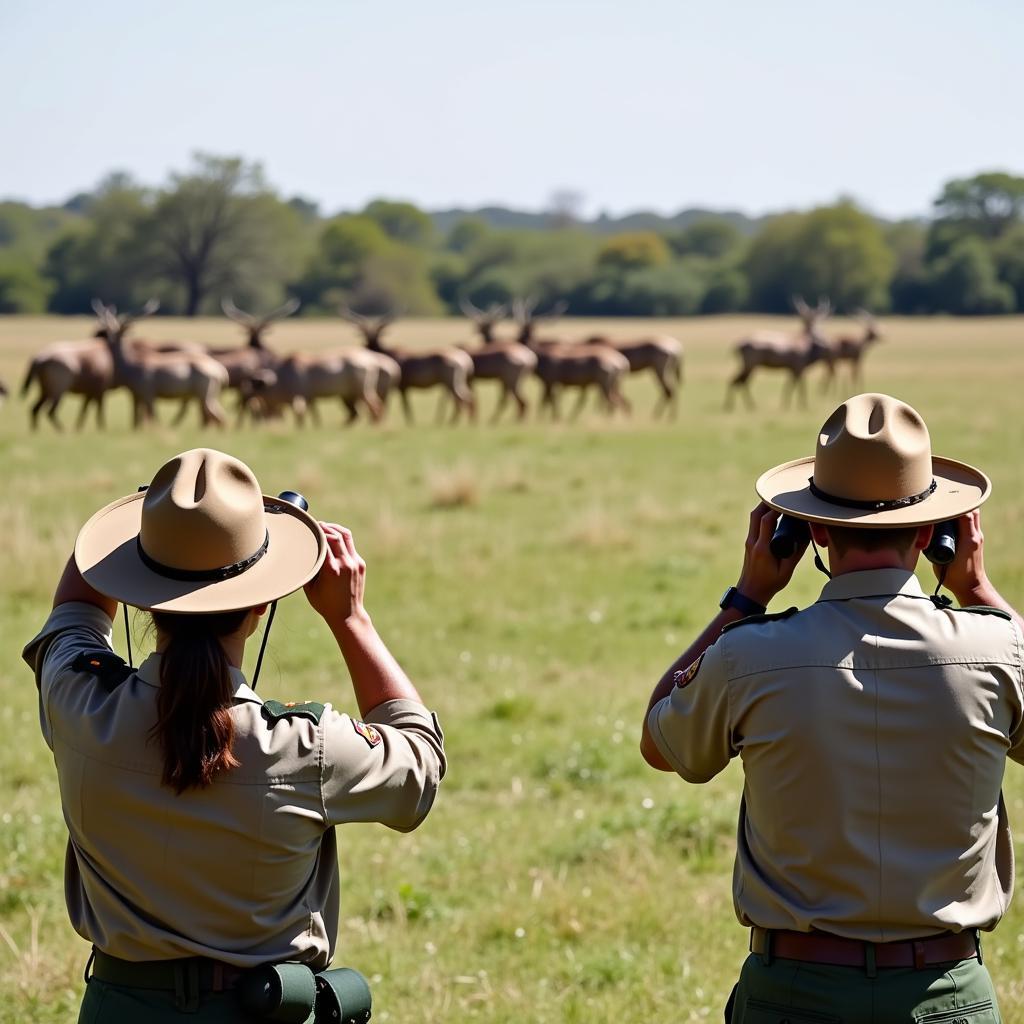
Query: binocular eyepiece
{"points": [[792, 533], [294, 498]]}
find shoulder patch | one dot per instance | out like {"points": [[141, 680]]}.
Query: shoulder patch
{"points": [[682, 678], [985, 609], [372, 737], [111, 669], [766, 617], [274, 710]]}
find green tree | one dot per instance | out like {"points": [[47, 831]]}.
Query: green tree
{"points": [[838, 251], [1008, 253], [986, 204], [403, 222], [22, 288], [910, 290], [964, 281], [101, 255], [713, 237], [634, 251], [219, 229]]}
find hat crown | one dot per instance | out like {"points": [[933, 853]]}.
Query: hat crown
{"points": [[202, 511], [873, 448]]}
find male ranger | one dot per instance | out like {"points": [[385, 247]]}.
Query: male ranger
{"points": [[873, 726]]}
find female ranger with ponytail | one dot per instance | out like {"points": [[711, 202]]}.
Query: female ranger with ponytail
{"points": [[202, 863]]}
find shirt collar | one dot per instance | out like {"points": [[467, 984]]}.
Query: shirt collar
{"points": [[149, 673], [872, 583]]}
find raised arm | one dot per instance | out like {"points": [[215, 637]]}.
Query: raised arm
{"points": [[761, 578], [966, 577], [337, 594], [72, 587]]}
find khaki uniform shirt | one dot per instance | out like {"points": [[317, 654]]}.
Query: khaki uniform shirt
{"points": [[246, 870], [873, 729]]}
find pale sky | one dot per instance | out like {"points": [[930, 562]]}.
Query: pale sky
{"points": [[654, 104]]}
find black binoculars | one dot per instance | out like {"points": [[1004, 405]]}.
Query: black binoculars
{"points": [[294, 498], [792, 533]]}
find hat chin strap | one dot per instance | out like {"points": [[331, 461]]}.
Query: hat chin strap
{"points": [[263, 643], [818, 563]]}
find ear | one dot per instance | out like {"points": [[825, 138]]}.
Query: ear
{"points": [[260, 610], [819, 534], [924, 536]]}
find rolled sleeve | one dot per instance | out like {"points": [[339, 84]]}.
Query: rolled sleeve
{"points": [[387, 769], [691, 727], [72, 628]]}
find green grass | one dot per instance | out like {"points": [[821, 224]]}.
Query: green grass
{"points": [[535, 581]]}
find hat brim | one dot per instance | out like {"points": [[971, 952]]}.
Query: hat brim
{"points": [[107, 555], [959, 489]]}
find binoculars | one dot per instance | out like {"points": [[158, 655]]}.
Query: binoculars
{"points": [[791, 533]]}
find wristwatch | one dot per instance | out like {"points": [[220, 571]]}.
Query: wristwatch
{"points": [[732, 598]]}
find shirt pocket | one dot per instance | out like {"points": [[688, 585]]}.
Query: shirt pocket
{"points": [[983, 1012]]}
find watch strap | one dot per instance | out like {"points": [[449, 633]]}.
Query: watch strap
{"points": [[733, 598]]}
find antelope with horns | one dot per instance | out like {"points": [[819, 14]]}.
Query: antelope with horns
{"points": [[298, 381], [663, 355], [777, 350], [83, 368], [507, 362], [447, 368], [149, 374], [851, 349], [243, 361], [561, 365]]}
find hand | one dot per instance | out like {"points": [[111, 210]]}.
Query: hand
{"points": [[965, 576], [337, 590], [763, 575]]}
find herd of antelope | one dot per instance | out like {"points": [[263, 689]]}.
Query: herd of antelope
{"points": [[269, 384]]}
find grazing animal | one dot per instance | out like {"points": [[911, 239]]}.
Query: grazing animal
{"points": [[561, 365], [448, 368], [243, 361], [851, 350], [149, 375], [777, 350], [508, 362], [663, 355], [300, 380], [84, 368]]}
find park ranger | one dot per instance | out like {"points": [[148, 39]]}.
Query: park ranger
{"points": [[873, 728], [202, 863]]}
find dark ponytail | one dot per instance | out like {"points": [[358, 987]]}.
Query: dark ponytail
{"points": [[193, 725]]}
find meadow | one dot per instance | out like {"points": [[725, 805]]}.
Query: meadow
{"points": [[535, 580]]}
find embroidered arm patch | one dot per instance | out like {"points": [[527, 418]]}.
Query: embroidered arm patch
{"points": [[372, 737], [683, 678]]}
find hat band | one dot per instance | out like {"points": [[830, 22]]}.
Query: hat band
{"points": [[225, 572], [872, 506]]}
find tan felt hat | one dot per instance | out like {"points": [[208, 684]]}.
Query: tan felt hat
{"points": [[201, 538], [874, 467]]}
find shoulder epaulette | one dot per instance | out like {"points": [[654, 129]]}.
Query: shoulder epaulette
{"points": [[275, 710], [765, 617], [109, 668], [984, 609]]}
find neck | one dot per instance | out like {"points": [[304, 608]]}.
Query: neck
{"points": [[863, 561], [234, 648]]}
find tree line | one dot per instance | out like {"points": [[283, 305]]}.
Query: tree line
{"points": [[218, 228]]}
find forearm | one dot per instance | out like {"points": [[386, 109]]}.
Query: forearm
{"points": [[72, 587], [711, 632], [376, 675]]}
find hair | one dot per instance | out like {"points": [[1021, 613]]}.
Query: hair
{"points": [[896, 538], [194, 725]]}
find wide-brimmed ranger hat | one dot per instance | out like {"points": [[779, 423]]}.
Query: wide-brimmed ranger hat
{"points": [[201, 538], [874, 467]]}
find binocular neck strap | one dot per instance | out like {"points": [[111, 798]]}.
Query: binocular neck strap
{"points": [[263, 644], [127, 634]]}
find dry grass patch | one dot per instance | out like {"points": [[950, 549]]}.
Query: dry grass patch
{"points": [[455, 486], [596, 527]]}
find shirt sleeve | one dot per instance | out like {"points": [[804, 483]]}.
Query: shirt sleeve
{"points": [[1016, 735], [386, 768], [73, 627], [691, 727]]}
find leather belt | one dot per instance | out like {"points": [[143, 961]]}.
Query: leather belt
{"points": [[821, 948], [197, 973]]}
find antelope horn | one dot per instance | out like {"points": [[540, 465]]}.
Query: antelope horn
{"points": [[281, 312], [232, 312], [470, 311]]}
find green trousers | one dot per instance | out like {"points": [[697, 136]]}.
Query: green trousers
{"points": [[793, 992], [115, 1004]]}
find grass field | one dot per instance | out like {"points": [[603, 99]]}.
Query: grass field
{"points": [[535, 580]]}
